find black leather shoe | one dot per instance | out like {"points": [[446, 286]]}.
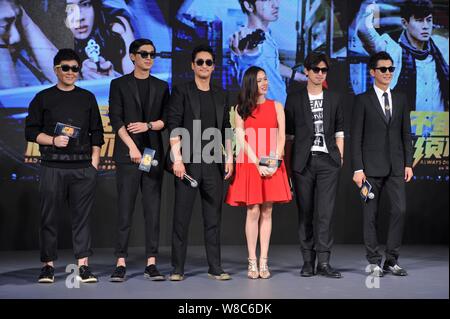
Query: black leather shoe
{"points": [[324, 269], [396, 270], [307, 269], [375, 270]]}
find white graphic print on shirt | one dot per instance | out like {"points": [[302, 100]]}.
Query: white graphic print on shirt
{"points": [[316, 102]]}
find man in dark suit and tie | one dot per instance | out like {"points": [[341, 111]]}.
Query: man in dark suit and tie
{"points": [[381, 149], [137, 112], [197, 119], [315, 117]]}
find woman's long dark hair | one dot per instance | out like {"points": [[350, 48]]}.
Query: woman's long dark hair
{"points": [[248, 96], [111, 43]]}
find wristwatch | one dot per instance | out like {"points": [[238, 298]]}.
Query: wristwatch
{"points": [[150, 126]]}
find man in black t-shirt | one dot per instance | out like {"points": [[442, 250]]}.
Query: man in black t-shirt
{"points": [[65, 121], [200, 109], [137, 104]]}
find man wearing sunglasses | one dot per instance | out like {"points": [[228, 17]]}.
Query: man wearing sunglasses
{"points": [[315, 117], [137, 109], [381, 149], [197, 107], [68, 164]]}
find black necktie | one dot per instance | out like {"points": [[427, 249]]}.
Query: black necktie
{"points": [[387, 107]]}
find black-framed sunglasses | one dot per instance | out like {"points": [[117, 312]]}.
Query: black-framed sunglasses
{"points": [[383, 69], [66, 68], [208, 62], [316, 70], [146, 54]]}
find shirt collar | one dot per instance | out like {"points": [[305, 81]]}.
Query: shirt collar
{"points": [[380, 92]]}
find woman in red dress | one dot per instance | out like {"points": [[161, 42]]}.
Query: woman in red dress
{"points": [[260, 132]]}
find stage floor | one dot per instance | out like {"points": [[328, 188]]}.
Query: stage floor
{"points": [[427, 266]]}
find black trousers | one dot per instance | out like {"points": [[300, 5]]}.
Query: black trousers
{"points": [[77, 186], [211, 191], [129, 180], [395, 190], [315, 190]]}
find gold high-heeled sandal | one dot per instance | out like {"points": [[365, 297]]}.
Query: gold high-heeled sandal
{"points": [[253, 272], [264, 272]]}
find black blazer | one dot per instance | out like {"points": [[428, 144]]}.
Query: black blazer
{"points": [[299, 122], [126, 107], [379, 148], [184, 108]]}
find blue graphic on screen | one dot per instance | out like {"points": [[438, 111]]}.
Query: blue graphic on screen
{"points": [[275, 35]]}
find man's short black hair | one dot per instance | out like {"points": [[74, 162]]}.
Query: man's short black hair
{"points": [[314, 58], [417, 8], [374, 58], [250, 2], [136, 44], [66, 54], [203, 48]]}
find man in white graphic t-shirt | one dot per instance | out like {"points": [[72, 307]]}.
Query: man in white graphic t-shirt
{"points": [[315, 118]]}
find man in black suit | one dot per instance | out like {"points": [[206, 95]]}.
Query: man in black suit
{"points": [[137, 104], [199, 110], [315, 117], [382, 151]]}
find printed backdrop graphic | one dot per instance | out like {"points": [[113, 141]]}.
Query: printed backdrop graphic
{"points": [[393, 26]]}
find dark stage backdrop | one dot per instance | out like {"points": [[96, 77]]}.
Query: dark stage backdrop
{"points": [[347, 30]]}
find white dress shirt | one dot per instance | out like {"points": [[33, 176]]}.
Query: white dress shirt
{"points": [[379, 92]]}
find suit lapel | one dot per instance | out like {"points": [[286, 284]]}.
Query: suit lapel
{"points": [[218, 103], [326, 111], [134, 90], [151, 96], [377, 106], [194, 99], [395, 105], [307, 110]]}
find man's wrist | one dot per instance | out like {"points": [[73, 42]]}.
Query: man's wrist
{"points": [[149, 126]]}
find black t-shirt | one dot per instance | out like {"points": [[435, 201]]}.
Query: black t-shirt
{"points": [[77, 107], [207, 114], [143, 90]]}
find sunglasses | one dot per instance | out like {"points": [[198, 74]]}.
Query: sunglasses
{"points": [[145, 54], [383, 69], [208, 62], [66, 68], [317, 70]]}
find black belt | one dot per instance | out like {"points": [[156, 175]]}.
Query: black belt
{"points": [[317, 153]]}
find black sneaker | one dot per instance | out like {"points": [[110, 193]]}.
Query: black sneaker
{"points": [[119, 274], [47, 275], [152, 273], [86, 275]]}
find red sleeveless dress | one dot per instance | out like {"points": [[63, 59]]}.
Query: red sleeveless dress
{"points": [[248, 186]]}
